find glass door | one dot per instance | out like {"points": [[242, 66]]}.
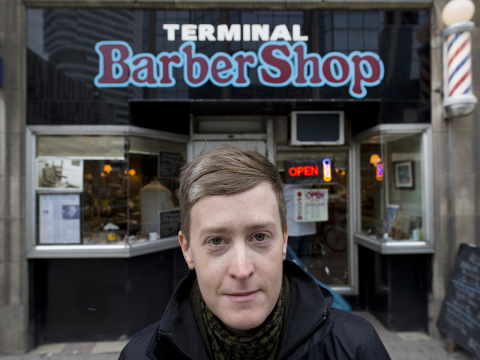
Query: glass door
{"points": [[317, 197]]}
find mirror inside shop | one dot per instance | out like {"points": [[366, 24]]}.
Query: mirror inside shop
{"points": [[317, 216], [89, 197]]}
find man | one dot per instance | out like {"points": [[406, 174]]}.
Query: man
{"points": [[242, 299]]}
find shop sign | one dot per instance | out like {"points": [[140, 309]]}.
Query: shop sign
{"points": [[307, 171], [283, 59]]}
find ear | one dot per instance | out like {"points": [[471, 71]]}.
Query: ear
{"points": [[186, 250], [285, 242]]}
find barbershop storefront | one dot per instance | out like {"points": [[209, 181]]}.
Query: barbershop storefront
{"points": [[119, 99]]}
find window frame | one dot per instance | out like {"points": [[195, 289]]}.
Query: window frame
{"points": [[38, 251], [398, 247]]}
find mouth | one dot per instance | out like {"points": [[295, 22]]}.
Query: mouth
{"points": [[243, 296]]}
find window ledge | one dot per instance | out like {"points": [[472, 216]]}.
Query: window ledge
{"points": [[394, 247], [61, 251]]}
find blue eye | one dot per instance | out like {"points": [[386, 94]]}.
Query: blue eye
{"points": [[260, 237], [216, 241]]}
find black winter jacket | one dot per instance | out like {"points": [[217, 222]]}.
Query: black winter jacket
{"points": [[314, 329]]}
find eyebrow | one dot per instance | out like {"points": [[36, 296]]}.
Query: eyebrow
{"points": [[249, 228]]}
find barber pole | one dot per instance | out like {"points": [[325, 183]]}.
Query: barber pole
{"points": [[459, 99], [459, 68]]}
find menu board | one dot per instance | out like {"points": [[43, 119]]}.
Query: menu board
{"points": [[460, 314], [169, 164]]}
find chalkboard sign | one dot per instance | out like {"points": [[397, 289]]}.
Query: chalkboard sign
{"points": [[169, 164], [169, 223], [460, 314]]}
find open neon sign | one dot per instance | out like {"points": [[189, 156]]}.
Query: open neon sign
{"points": [[303, 170], [313, 171]]}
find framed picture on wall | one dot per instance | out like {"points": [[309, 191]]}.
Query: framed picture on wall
{"points": [[403, 172], [391, 213]]}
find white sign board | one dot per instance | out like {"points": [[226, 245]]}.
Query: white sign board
{"points": [[311, 205], [59, 219]]}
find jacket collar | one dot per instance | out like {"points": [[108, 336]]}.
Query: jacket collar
{"points": [[308, 312], [178, 334]]}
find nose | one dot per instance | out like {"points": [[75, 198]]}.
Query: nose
{"points": [[241, 265]]}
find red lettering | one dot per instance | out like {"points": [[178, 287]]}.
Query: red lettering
{"points": [[196, 67], [336, 69], [276, 70], [167, 61], [279, 64], [221, 70], [309, 170], [367, 72], [244, 60], [308, 66], [114, 70], [315, 195], [144, 71]]}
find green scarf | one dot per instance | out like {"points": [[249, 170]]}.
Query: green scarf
{"points": [[221, 344]]}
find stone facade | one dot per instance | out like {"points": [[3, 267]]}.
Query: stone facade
{"points": [[456, 168], [13, 264], [456, 160]]}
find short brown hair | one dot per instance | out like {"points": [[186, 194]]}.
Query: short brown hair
{"points": [[226, 170]]}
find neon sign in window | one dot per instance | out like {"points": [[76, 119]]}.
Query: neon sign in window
{"points": [[327, 170], [309, 171], [376, 161]]}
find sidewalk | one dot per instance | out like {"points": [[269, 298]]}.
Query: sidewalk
{"points": [[414, 345], [108, 350], [401, 346]]}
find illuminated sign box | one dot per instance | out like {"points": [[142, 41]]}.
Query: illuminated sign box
{"points": [[309, 171], [317, 128]]}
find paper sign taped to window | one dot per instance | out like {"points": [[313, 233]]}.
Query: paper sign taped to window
{"points": [[311, 205]]}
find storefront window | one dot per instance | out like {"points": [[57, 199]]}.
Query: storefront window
{"points": [[317, 197], [393, 196], [104, 189]]}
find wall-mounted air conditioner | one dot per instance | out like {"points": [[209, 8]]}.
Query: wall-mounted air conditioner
{"points": [[317, 128]]}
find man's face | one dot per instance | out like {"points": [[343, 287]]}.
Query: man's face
{"points": [[237, 247]]}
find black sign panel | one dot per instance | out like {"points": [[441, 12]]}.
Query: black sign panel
{"points": [[460, 314], [169, 223], [220, 54], [169, 164]]}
